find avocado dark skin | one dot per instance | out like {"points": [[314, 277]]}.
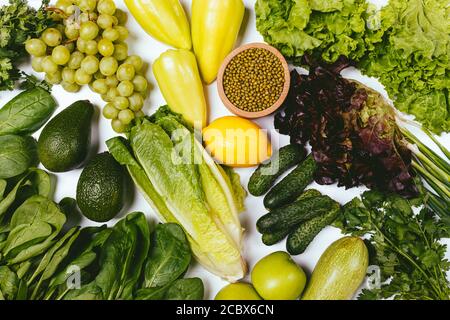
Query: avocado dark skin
{"points": [[65, 141], [101, 188]]}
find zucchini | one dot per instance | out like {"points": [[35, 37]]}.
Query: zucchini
{"points": [[299, 239], [289, 216], [266, 174], [340, 271], [288, 189], [270, 239]]}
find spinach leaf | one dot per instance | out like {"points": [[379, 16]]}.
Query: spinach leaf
{"points": [[17, 154], [26, 112], [83, 254], [122, 255], [181, 289], [186, 289], [34, 226], [87, 292], [169, 258], [3, 185], [9, 284]]}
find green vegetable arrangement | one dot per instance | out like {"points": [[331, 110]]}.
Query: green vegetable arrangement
{"points": [[405, 246], [184, 185], [18, 23], [40, 259]]}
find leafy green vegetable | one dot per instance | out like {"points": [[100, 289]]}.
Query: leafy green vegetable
{"points": [[169, 257], [181, 289], [163, 157], [26, 112], [17, 154], [9, 284], [33, 227], [413, 60], [18, 22], [326, 29], [403, 244]]}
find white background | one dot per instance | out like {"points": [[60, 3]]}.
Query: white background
{"points": [[149, 49]]}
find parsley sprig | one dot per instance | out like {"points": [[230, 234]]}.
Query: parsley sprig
{"points": [[18, 22], [404, 244]]}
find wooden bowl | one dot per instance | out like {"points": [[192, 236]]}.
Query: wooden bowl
{"points": [[257, 114]]}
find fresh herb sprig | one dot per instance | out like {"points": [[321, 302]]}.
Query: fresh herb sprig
{"points": [[405, 246], [18, 22]]}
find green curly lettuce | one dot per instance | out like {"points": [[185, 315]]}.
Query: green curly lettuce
{"points": [[322, 28], [412, 61]]}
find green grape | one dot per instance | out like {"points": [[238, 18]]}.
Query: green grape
{"points": [[125, 88], [82, 77], [36, 64], [70, 46], [112, 81], [88, 30], [63, 5], [54, 77], [139, 83], [120, 51], [48, 65], [121, 17], [139, 114], [81, 45], [123, 32], [68, 75], [121, 103], [106, 7], [105, 21], [136, 61], [105, 47], [99, 75], [108, 66], [118, 126], [100, 86], [91, 47], [87, 5], [111, 34], [70, 87], [105, 98], [70, 10], [75, 60], [60, 55], [36, 47], [126, 116], [71, 32], [110, 112], [125, 72], [115, 21], [112, 94], [60, 28], [84, 17], [90, 64], [51, 37], [136, 101]]}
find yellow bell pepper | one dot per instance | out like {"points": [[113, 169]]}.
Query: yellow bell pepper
{"points": [[215, 28], [165, 20], [177, 74]]}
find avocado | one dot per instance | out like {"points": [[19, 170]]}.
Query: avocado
{"points": [[64, 142], [101, 188]]}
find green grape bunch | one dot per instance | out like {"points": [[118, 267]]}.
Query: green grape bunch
{"points": [[87, 47]]}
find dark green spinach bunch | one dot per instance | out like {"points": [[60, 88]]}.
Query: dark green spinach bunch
{"points": [[18, 22], [404, 244]]}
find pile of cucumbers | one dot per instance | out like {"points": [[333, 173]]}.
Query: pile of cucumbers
{"points": [[294, 213]]}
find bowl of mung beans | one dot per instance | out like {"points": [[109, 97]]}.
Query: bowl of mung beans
{"points": [[253, 80]]}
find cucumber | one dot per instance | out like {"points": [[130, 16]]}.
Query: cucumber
{"points": [[289, 216], [339, 272], [263, 177], [270, 239], [299, 239], [288, 189]]}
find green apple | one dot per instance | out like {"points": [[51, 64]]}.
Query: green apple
{"points": [[278, 277], [238, 291]]}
